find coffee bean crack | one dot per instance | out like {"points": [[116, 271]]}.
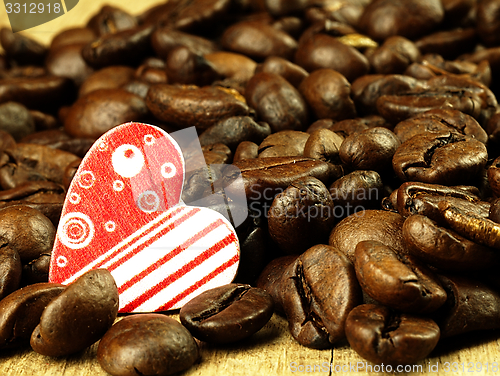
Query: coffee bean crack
{"points": [[306, 298], [226, 300]]}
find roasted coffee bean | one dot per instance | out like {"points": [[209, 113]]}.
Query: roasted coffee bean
{"points": [[258, 40], [283, 7], [245, 150], [347, 13], [122, 47], [457, 13], [36, 271], [166, 38], [265, 177], [322, 124], [448, 44], [324, 145], [491, 55], [367, 89], [227, 314], [31, 162], [59, 139], [494, 176], [139, 88], [234, 130], [151, 75], [10, 270], [440, 158], [184, 106], [289, 71], [411, 19], [396, 108], [153, 62], [43, 121], [304, 207], [110, 20], [6, 141], [328, 94], [198, 181], [217, 154], [371, 149], [319, 290], [67, 61], [487, 21], [97, 112], [16, 120], [79, 316], [349, 126], [29, 188], [185, 67], [422, 198], [477, 92], [379, 225], [29, 71], [444, 248], [358, 190], [113, 77], [394, 56], [270, 279], [383, 336], [50, 209], [276, 102], [397, 281], [231, 65], [147, 344], [197, 15], [69, 173], [478, 229], [471, 305], [283, 144], [480, 72], [255, 250], [42, 92], [358, 41], [321, 51], [27, 231], [494, 214], [20, 48], [493, 131], [74, 35], [20, 312], [291, 25], [440, 120]]}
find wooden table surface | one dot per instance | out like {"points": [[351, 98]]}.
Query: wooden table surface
{"points": [[272, 351]]}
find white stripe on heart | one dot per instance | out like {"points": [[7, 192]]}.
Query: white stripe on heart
{"points": [[166, 295], [161, 247], [134, 238], [163, 230]]}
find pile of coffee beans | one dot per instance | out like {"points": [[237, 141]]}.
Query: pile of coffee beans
{"points": [[367, 134]]}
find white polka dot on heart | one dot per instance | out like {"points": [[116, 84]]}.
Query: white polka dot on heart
{"points": [[127, 160], [168, 170]]}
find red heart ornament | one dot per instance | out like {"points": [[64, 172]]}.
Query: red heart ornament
{"points": [[123, 212]]}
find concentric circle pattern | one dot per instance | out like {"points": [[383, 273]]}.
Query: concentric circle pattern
{"points": [[77, 230]]}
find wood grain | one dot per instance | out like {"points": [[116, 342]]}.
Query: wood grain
{"points": [[272, 351]]}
